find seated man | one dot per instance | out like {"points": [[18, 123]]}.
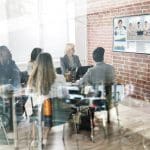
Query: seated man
{"points": [[101, 73]]}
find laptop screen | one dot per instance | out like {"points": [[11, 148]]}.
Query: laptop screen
{"points": [[81, 71]]}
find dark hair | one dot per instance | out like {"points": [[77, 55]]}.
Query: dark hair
{"points": [[146, 22], [120, 21], [35, 52], [5, 54], [138, 22], [98, 54]]}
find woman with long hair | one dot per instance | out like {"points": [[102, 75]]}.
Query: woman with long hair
{"points": [[46, 83]]}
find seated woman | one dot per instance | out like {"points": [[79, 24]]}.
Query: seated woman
{"points": [[46, 85], [9, 80], [35, 52], [70, 62], [9, 72]]}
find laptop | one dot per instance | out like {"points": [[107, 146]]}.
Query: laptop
{"points": [[81, 71]]}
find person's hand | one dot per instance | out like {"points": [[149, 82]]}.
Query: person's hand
{"points": [[7, 87], [6, 90], [77, 82], [29, 90], [68, 76]]}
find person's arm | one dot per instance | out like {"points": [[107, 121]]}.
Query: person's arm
{"points": [[58, 88], [29, 68], [86, 78], [109, 81], [110, 75], [78, 61], [15, 75], [62, 64]]}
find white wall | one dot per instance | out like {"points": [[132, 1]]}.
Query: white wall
{"points": [[19, 27], [47, 24], [3, 24], [81, 29], [54, 27], [26, 24], [23, 36]]}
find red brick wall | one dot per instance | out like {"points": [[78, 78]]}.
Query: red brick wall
{"points": [[103, 5], [131, 68]]}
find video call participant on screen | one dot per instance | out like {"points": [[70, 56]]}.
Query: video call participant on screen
{"points": [[146, 28], [120, 29], [101, 73], [70, 62]]}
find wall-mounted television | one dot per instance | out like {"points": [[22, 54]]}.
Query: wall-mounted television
{"points": [[132, 34]]}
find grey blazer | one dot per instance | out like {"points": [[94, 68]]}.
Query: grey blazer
{"points": [[65, 64], [101, 73]]}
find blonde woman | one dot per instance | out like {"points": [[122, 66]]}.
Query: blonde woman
{"points": [[47, 85], [70, 62]]}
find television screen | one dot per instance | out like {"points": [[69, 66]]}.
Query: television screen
{"points": [[132, 34]]}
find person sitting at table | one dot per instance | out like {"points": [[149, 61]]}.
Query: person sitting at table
{"points": [[101, 73], [35, 52], [9, 79], [47, 85], [9, 72], [70, 62]]}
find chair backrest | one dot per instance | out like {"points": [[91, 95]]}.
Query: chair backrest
{"points": [[58, 70], [24, 77]]}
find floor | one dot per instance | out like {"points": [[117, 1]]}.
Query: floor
{"points": [[129, 130]]}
